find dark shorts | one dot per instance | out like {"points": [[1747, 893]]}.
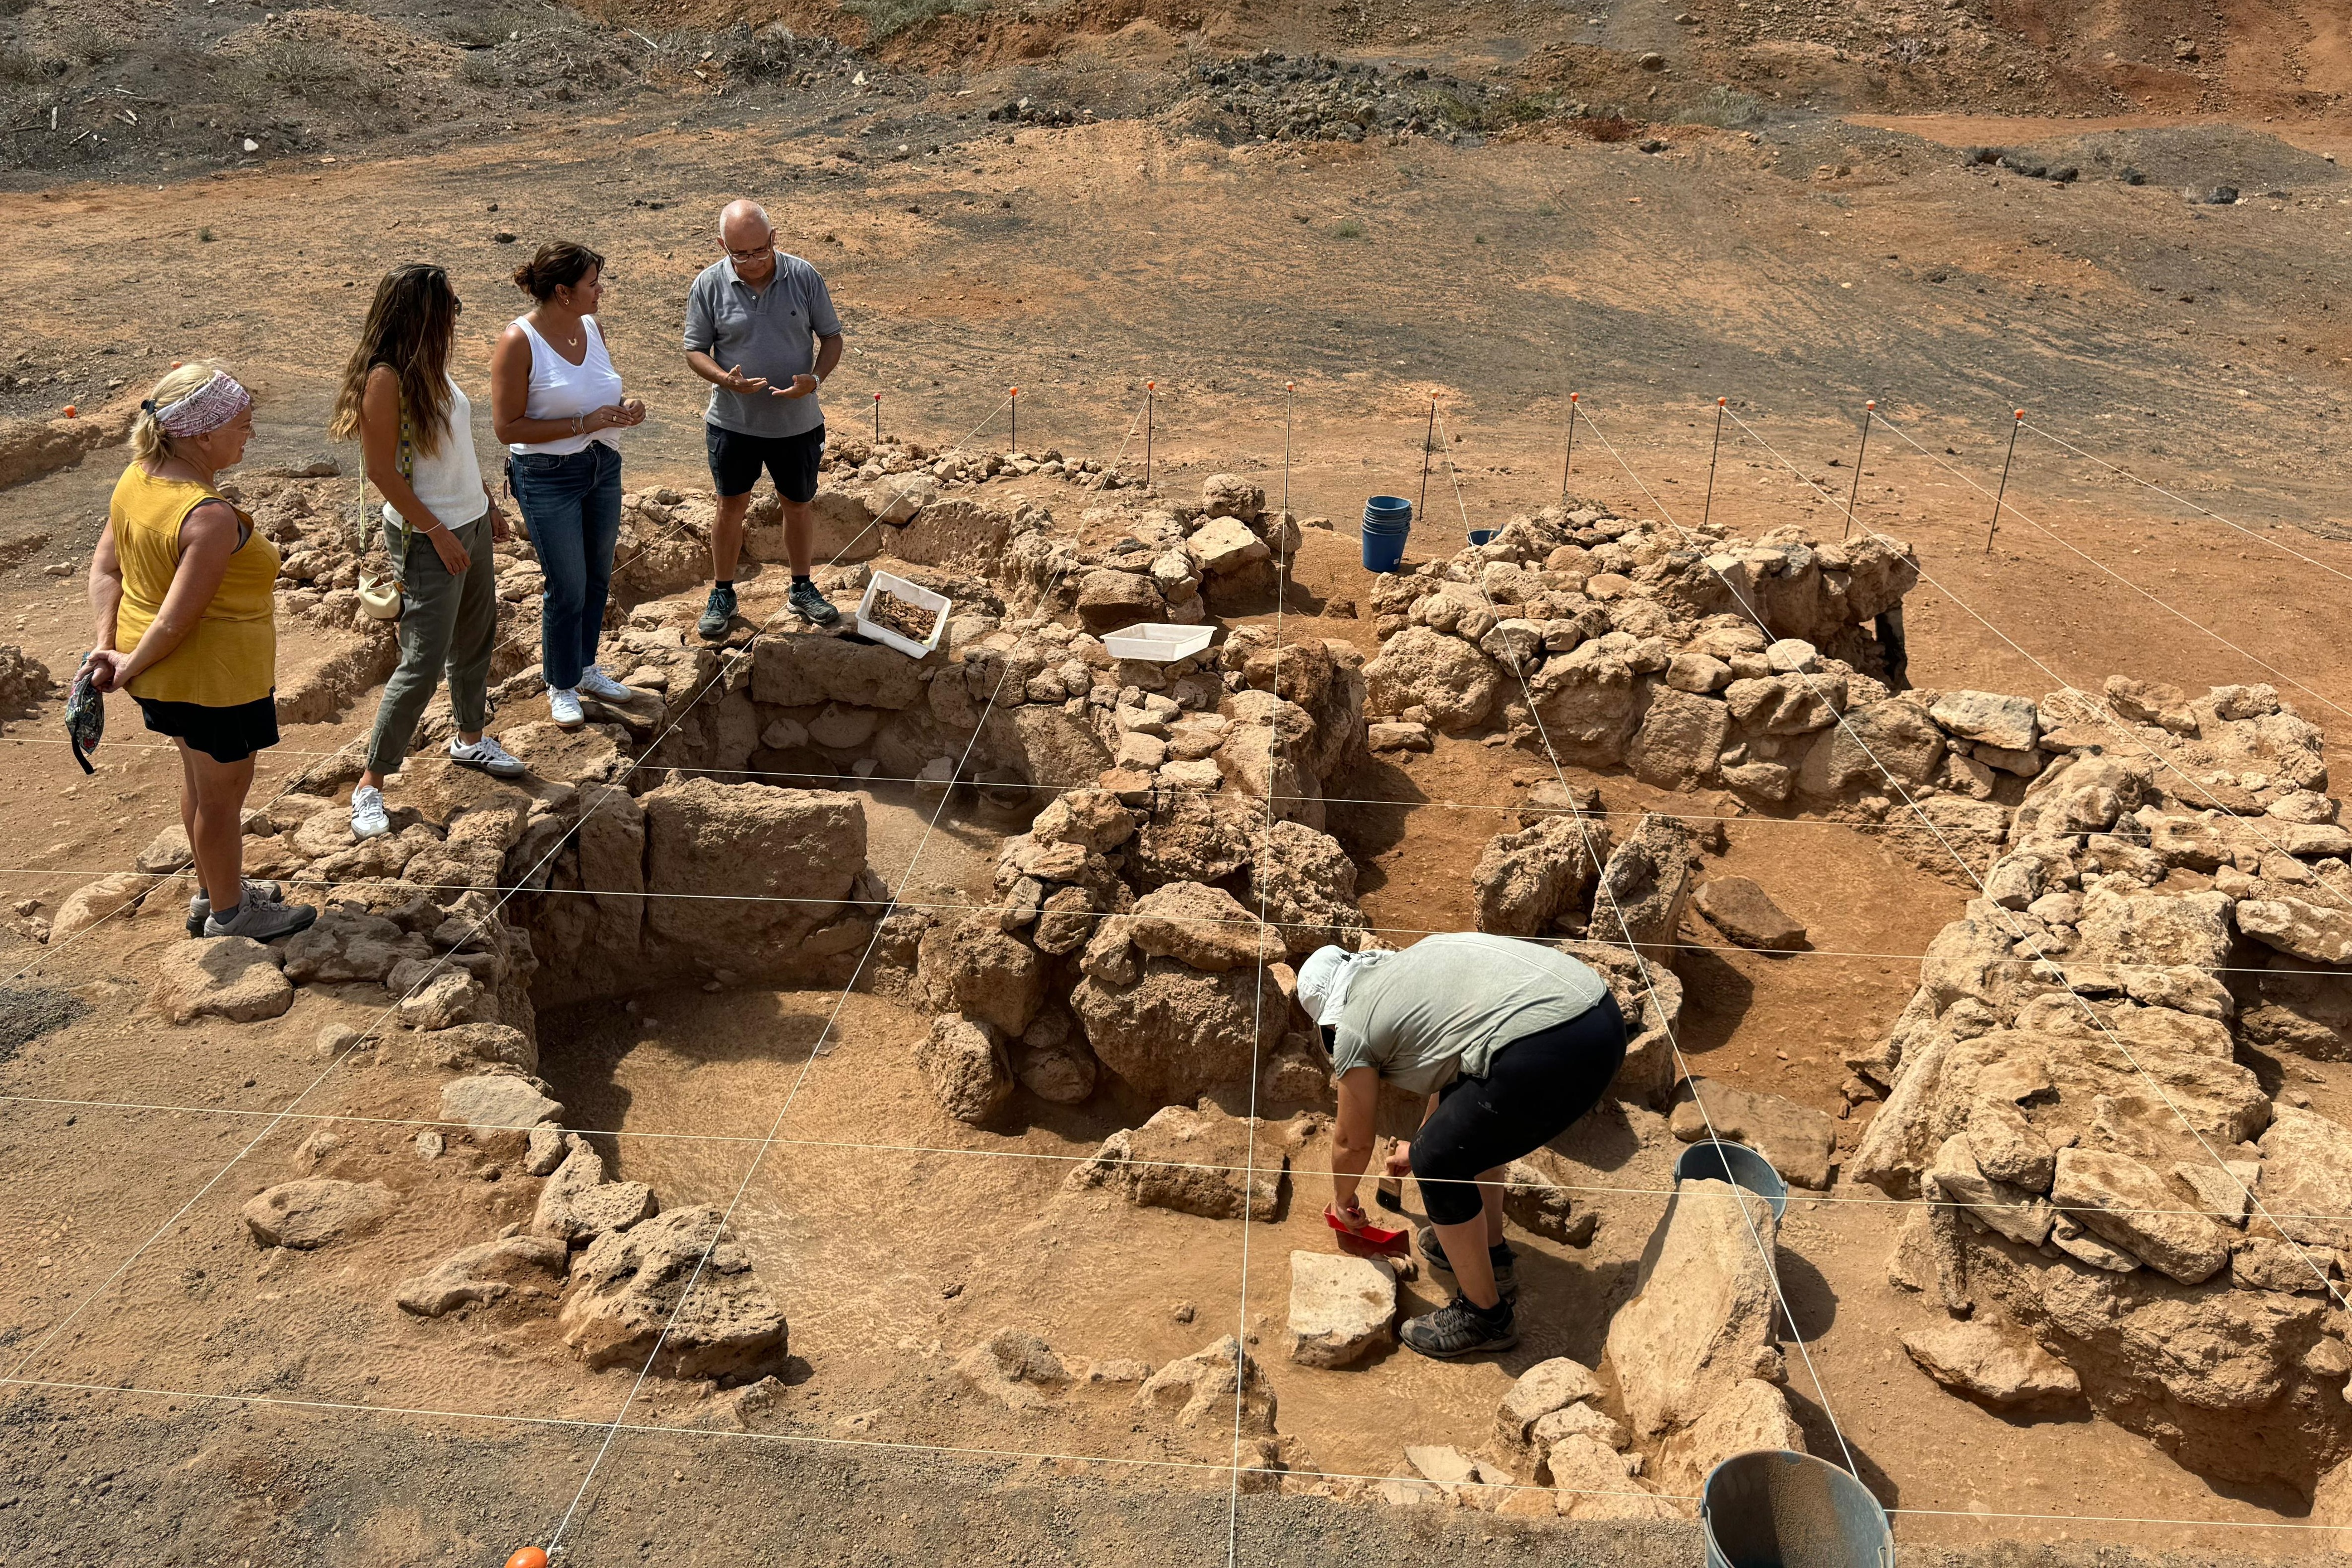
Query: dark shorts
{"points": [[736, 460], [1534, 1090], [224, 734]]}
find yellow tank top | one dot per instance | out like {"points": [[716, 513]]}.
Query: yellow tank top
{"points": [[231, 656]]}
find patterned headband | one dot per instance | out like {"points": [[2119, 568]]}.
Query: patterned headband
{"points": [[208, 407]]}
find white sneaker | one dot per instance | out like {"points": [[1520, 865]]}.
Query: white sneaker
{"points": [[368, 818], [602, 686], [487, 755], [563, 706]]}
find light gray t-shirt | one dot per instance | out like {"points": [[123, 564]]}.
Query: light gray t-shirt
{"points": [[1447, 1003], [769, 332]]}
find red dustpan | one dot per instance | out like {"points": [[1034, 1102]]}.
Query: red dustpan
{"points": [[1370, 1242]]}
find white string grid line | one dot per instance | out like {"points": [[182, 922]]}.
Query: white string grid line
{"points": [[1649, 985], [725, 1434], [2049, 435], [1257, 1025], [2250, 826], [947, 906], [1854, 1198], [702, 1262], [2021, 935], [41, 1345], [1167, 792], [2075, 550], [759, 1155], [812, 1439]]}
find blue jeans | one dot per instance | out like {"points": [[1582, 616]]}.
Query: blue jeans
{"points": [[572, 505]]}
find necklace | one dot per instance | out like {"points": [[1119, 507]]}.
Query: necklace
{"points": [[573, 339]]}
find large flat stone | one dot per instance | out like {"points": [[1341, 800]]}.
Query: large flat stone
{"points": [[2119, 1199], [1799, 1141], [1703, 1319], [312, 1213], [630, 1291], [1341, 1309], [497, 1100], [233, 978], [2003, 1369], [1745, 913]]}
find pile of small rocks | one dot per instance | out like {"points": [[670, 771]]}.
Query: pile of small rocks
{"points": [[1318, 97]]}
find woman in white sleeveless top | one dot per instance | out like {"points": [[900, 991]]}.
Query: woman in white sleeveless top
{"points": [[416, 438], [555, 400]]}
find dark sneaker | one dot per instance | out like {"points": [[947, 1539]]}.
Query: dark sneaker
{"points": [[262, 923], [1459, 1329], [813, 606], [718, 613], [1504, 1260], [199, 908]]}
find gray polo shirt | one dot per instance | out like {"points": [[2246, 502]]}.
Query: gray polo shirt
{"points": [[1447, 1003], [771, 332]]}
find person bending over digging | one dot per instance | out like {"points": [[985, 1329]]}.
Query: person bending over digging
{"points": [[1512, 1041], [761, 328]]}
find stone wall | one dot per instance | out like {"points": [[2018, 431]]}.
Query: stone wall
{"points": [[2091, 1077]]}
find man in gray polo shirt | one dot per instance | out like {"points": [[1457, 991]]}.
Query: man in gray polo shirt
{"points": [[761, 328]]}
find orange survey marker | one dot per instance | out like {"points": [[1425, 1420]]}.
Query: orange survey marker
{"points": [[1372, 1241]]}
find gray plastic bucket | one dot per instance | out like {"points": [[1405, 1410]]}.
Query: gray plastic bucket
{"points": [[1389, 511], [1775, 1509], [1712, 1161]]}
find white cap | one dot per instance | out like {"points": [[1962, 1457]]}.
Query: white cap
{"points": [[1322, 981]]}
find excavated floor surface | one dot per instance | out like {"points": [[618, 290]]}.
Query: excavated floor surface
{"points": [[896, 1237]]}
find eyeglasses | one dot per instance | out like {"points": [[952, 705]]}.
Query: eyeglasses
{"points": [[766, 246]]}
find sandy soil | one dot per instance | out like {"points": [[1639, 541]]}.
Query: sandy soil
{"points": [[1797, 273]]}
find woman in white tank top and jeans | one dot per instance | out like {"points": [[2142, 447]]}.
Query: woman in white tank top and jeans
{"points": [[417, 439], [554, 399]]}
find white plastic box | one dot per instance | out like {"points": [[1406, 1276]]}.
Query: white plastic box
{"points": [[1159, 642], [914, 593]]}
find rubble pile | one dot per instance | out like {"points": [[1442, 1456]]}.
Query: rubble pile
{"points": [[1612, 642], [1271, 96]]}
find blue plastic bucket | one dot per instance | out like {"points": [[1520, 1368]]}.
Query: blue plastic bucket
{"points": [[1484, 535], [1384, 548], [1394, 510], [1776, 1509], [1710, 1161]]}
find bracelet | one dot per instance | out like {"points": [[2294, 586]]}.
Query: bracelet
{"points": [[578, 424]]}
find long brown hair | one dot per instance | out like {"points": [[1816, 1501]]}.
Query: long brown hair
{"points": [[408, 332]]}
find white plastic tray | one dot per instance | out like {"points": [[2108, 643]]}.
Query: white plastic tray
{"points": [[1159, 642], [914, 593]]}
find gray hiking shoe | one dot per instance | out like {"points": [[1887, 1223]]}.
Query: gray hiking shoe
{"points": [[718, 613], [1500, 1255], [261, 921], [1459, 1329], [199, 908], [811, 605]]}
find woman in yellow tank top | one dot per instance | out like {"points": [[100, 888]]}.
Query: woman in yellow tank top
{"points": [[181, 586]]}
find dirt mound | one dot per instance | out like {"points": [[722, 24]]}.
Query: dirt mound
{"points": [[318, 46]]}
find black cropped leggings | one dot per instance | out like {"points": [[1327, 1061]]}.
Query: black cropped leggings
{"points": [[1534, 1090]]}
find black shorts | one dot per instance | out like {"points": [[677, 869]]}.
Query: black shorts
{"points": [[736, 460], [224, 734], [1534, 1090]]}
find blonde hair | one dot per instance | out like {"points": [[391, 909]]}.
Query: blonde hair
{"points": [[149, 444]]}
